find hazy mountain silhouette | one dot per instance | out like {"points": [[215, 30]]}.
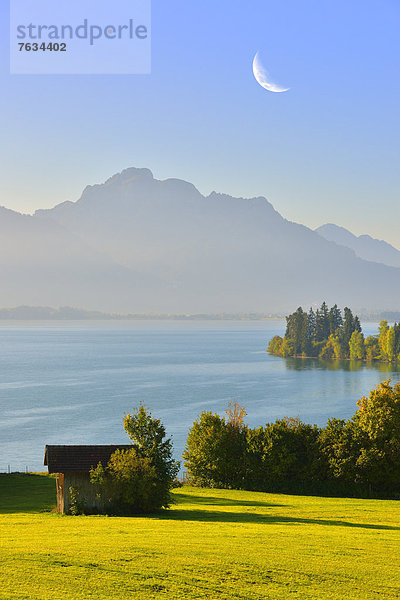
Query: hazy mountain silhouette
{"points": [[136, 244], [41, 262], [364, 246]]}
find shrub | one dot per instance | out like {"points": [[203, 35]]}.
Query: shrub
{"points": [[139, 479], [76, 506], [148, 436], [129, 484], [283, 456], [216, 448], [377, 422], [275, 345]]}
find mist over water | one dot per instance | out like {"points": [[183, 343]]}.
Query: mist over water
{"points": [[71, 383]]}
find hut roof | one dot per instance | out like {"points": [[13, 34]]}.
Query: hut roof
{"points": [[78, 459]]}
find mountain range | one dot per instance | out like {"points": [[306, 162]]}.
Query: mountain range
{"points": [[137, 244], [364, 246]]}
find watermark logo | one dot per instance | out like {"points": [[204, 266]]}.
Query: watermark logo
{"points": [[80, 37]]}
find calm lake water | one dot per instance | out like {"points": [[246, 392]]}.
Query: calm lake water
{"points": [[72, 383]]}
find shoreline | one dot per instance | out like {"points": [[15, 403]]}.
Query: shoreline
{"points": [[366, 360]]}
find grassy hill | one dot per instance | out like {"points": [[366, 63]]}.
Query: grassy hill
{"points": [[212, 544]]}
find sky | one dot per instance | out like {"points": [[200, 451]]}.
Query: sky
{"points": [[325, 151]]}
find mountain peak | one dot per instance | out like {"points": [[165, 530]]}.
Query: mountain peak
{"points": [[138, 244], [365, 246], [129, 175]]}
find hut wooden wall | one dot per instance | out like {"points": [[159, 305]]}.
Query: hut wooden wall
{"points": [[87, 491]]}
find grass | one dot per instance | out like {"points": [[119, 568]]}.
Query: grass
{"points": [[215, 544]]}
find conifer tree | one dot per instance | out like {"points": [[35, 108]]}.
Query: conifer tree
{"points": [[324, 312], [396, 328], [348, 326], [319, 327], [357, 324], [310, 332], [335, 319]]}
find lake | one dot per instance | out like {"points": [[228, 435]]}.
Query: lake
{"points": [[71, 383]]}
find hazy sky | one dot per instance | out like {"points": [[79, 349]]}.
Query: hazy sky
{"points": [[326, 151]]}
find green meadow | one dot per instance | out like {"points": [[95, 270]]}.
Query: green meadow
{"points": [[220, 544]]}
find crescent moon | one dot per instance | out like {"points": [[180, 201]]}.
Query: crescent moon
{"points": [[262, 77]]}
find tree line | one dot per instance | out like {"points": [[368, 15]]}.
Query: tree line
{"points": [[355, 457], [328, 334]]}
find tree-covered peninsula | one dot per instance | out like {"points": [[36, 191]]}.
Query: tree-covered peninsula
{"points": [[330, 334]]}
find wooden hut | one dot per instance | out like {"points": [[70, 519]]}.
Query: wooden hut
{"points": [[72, 465]]}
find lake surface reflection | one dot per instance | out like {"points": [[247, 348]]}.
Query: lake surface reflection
{"points": [[305, 364]]}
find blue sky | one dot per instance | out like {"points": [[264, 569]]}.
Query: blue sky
{"points": [[326, 151]]}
